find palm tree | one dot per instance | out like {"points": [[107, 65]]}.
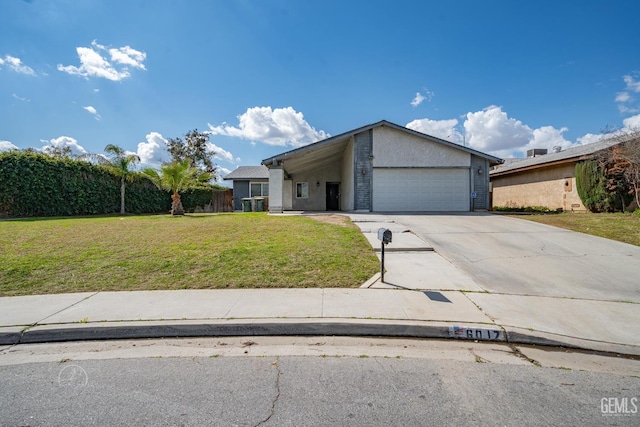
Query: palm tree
{"points": [[175, 177], [119, 163]]}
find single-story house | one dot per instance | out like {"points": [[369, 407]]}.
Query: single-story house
{"points": [[380, 167], [543, 179], [248, 181]]}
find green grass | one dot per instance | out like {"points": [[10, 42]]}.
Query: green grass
{"points": [[616, 226], [251, 250]]}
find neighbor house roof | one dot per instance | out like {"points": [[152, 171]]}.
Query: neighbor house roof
{"points": [[346, 135], [248, 172], [569, 155]]}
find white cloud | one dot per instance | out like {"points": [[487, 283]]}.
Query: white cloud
{"points": [[154, 150], [94, 64], [623, 97], [19, 98], [221, 173], [128, 56], [491, 130], [548, 137], [65, 141], [15, 64], [280, 127], [6, 146], [629, 124], [420, 98], [93, 111], [444, 129], [632, 84], [589, 138], [632, 122], [628, 110], [221, 153]]}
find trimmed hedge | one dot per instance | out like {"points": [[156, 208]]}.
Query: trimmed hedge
{"points": [[590, 183], [35, 184]]}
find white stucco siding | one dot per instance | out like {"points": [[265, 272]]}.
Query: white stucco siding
{"points": [[287, 195], [393, 148], [316, 179], [420, 189], [276, 188]]}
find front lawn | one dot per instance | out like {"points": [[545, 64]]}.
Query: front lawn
{"points": [[249, 250], [615, 226]]}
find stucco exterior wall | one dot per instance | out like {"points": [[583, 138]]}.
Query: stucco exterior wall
{"points": [[287, 195], [317, 200], [240, 190], [276, 189], [539, 187], [393, 148]]}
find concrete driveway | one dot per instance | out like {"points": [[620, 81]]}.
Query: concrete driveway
{"points": [[519, 257], [531, 279]]}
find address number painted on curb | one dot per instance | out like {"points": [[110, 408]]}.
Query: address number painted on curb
{"points": [[476, 333]]}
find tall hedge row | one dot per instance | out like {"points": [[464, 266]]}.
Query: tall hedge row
{"points": [[590, 183], [33, 184]]}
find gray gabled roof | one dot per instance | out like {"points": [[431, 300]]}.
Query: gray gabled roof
{"points": [[248, 172], [342, 136], [570, 154]]}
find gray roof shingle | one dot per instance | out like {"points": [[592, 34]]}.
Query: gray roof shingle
{"points": [[570, 153], [248, 172]]}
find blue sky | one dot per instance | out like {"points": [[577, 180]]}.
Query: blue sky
{"points": [[267, 76]]}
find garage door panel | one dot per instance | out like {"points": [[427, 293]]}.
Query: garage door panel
{"points": [[397, 189]]}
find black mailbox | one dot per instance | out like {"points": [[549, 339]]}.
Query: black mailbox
{"points": [[384, 235]]}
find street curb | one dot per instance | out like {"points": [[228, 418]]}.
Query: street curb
{"points": [[293, 327], [152, 329], [10, 338], [372, 281]]}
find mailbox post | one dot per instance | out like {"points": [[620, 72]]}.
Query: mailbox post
{"points": [[384, 235]]}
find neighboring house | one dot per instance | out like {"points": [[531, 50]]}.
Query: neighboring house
{"points": [[248, 181], [380, 167], [543, 179]]}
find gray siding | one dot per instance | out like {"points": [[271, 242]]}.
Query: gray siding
{"points": [[480, 183], [363, 169], [240, 191]]}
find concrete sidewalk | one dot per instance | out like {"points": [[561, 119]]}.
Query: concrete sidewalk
{"points": [[247, 312], [424, 296]]}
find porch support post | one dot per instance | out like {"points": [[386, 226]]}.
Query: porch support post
{"points": [[276, 189]]}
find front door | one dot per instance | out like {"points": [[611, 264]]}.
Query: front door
{"points": [[333, 196]]}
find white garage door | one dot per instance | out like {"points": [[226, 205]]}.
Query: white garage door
{"points": [[420, 190]]}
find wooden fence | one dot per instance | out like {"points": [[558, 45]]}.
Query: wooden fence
{"points": [[221, 201]]}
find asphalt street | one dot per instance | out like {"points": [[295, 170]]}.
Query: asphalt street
{"points": [[308, 382]]}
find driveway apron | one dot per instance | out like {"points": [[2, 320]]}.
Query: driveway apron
{"points": [[514, 256]]}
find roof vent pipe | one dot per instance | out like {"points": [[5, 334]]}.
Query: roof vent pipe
{"points": [[557, 149]]}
